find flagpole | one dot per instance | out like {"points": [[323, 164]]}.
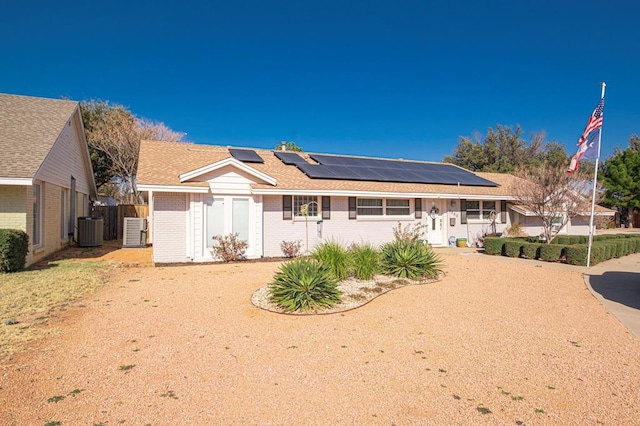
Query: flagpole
{"points": [[595, 180]]}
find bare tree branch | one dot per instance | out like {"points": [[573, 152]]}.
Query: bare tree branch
{"points": [[552, 195]]}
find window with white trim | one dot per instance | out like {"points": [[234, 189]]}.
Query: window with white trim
{"points": [[480, 209], [383, 207], [37, 214], [370, 207], [397, 207], [299, 203]]}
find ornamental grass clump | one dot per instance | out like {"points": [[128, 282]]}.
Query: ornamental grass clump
{"points": [[405, 259], [334, 256], [304, 285], [364, 261]]}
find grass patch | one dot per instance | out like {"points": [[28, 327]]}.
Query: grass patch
{"points": [[28, 293], [55, 399], [169, 394], [483, 410], [127, 367]]}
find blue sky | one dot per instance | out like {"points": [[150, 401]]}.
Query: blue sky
{"points": [[380, 78]]}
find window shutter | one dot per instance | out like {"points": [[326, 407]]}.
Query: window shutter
{"points": [[418, 208], [503, 211], [463, 212], [352, 208], [287, 212], [326, 207]]}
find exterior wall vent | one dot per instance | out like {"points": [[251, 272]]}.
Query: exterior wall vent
{"points": [[135, 232]]}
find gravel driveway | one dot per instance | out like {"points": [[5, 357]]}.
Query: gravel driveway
{"points": [[495, 342]]}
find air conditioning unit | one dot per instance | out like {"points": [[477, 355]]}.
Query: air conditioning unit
{"points": [[134, 233], [90, 231]]}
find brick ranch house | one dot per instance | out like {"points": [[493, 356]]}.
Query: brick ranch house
{"points": [[198, 191], [46, 178]]}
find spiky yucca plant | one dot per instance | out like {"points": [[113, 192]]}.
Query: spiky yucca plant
{"points": [[407, 259], [304, 285]]}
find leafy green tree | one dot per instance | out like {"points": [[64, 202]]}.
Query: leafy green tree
{"points": [[504, 150], [290, 146], [621, 178]]}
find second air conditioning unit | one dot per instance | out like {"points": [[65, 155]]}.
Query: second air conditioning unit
{"points": [[134, 233]]}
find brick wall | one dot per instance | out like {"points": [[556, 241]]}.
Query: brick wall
{"points": [[339, 228], [50, 238]]}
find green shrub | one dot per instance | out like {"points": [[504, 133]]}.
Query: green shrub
{"points": [[620, 248], [364, 261], [14, 246], [531, 250], [597, 254], [304, 284], [562, 239], [551, 252], [407, 259], [612, 249], [577, 254], [334, 256], [578, 239], [494, 245], [512, 247]]}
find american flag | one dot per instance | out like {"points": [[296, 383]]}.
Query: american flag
{"points": [[594, 123]]}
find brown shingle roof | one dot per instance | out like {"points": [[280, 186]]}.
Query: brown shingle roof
{"points": [[28, 129], [161, 163]]}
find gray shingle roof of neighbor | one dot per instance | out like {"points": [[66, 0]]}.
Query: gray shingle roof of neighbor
{"points": [[29, 127]]}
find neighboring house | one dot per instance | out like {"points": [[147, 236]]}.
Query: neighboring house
{"points": [[197, 191], [105, 201], [46, 179]]}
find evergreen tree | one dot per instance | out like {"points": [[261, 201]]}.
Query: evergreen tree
{"points": [[620, 176], [505, 150]]}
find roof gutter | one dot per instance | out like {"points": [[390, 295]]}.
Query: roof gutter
{"points": [[16, 181], [353, 193]]}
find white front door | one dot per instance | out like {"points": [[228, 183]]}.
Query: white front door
{"points": [[224, 216], [434, 223]]}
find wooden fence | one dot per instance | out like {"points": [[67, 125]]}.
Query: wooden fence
{"points": [[113, 217], [109, 215]]}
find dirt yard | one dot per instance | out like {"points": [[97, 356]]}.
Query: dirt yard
{"points": [[495, 342]]}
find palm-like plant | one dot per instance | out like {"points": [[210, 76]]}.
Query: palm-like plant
{"points": [[406, 259], [304, 285]]}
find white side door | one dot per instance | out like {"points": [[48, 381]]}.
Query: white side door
{"points": [[435, 223]]}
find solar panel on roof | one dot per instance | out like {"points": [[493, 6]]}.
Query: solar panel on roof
{"points": [[289, 158], [381, 170], [246, 155]]}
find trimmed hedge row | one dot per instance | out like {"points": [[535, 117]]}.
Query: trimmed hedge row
{"points": [[14, 245], [571, 249]]}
